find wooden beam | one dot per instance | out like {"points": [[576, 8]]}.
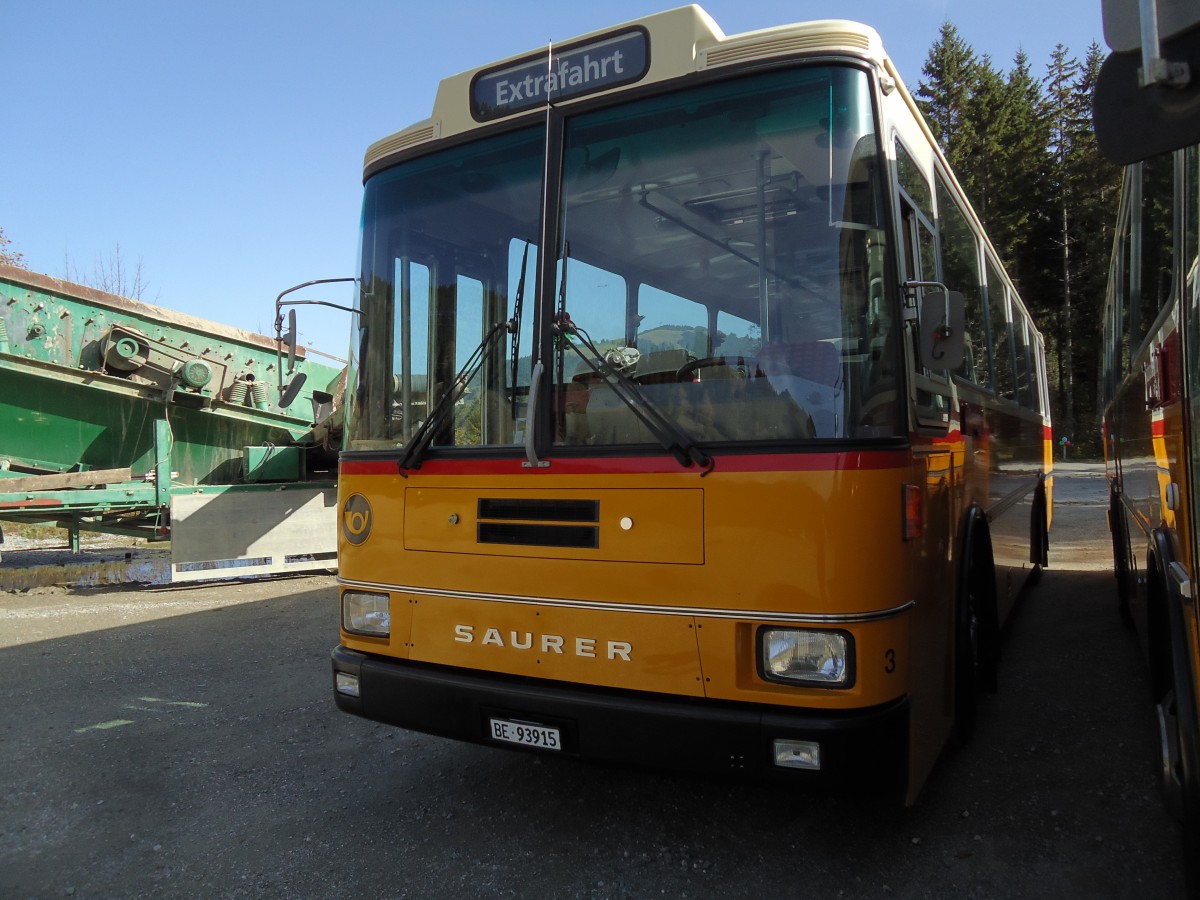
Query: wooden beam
{"points": [[90, 478]]}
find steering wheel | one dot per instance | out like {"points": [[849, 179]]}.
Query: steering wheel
{"points": [[742, 367]]}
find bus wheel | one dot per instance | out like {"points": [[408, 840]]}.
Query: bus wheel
{"points": [[1180, 792], [971, 657], [1171, 768], [966, 668], [1120, 545], [1039, 535]]}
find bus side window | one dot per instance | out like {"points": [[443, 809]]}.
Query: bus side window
{"points": [[931, 392], [1002, 359], [1021, 351], [1155, 219], [961, 272]]}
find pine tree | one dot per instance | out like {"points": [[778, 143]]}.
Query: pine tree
{"points": [[1094, 185], [1026, 165], [951, 72], [985, 128], [1064, 116]]}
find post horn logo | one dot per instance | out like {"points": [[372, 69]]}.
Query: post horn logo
{"points": [[356, 519]]}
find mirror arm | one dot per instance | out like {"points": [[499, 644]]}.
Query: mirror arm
{"points": [[291, 337]]}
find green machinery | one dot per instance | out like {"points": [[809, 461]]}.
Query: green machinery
{"points": [[122, 417]]}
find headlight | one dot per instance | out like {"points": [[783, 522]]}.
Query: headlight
{"points": [[365, 613], [797, 656]]}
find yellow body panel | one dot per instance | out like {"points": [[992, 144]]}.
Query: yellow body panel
{"points": [[881, 647], [772, 542], [580, 646], [686, 584], [640, 525]]}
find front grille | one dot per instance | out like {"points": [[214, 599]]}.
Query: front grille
{"points": [[527, 522], [573, 536], [540, 510]]}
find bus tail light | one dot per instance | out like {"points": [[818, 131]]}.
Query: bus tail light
{"points": [[364, 612], [913, 518]]}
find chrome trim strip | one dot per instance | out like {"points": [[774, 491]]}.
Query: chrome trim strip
{"points": [[752, 615]]}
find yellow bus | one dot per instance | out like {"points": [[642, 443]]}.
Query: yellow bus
{"points": [[693, 420], [1145, 119]]}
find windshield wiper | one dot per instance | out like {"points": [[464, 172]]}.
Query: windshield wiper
{"points": [[673, 439], [416, 447], [518, 303]]}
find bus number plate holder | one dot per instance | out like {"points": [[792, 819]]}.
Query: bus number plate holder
{"points": [[526, 734]]}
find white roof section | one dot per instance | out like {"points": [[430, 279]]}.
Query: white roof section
{"points": [[681, 41]]}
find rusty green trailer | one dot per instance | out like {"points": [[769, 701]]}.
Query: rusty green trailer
{"points": [[123, 417]]}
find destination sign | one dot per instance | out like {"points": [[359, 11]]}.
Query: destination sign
{"points": [[571, 72]]}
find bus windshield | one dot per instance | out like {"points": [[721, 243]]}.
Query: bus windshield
{"points": [[723, 247]]}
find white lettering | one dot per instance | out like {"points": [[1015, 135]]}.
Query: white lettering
{"points": [[620, 649], [508, 92], [584, 647]]}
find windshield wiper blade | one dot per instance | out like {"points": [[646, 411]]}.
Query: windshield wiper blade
{"points": [[518, 303], [673, 439], [421, 440]]}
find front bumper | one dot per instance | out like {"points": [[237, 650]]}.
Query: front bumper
{"points": [[860, 749]]}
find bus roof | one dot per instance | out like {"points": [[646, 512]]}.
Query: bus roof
{"points": [[645, 51]]}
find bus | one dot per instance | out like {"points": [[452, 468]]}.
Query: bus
{"points": [[693, 421], [1145, 120]]}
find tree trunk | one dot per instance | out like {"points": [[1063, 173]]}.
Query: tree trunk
{"points": [[1066, 364]]}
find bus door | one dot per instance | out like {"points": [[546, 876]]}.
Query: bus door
{"points": [[931, 396]]}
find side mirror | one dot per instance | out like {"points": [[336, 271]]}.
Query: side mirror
{"points": [[289, 341], [943, 326], [289, 391]]}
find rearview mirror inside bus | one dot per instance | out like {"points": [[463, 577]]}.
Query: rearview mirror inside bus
{"points": [[943, 321]]}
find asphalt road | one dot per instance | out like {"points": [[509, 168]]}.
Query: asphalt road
{"points": [[183, 741]]}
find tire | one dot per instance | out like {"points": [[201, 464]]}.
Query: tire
{"points": [[966, 669], [1039, 534], [976, 639], [1120, 545], [1177, 780], [1174, 684]]}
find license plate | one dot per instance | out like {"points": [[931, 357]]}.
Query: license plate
{"points": [[525, 734]]}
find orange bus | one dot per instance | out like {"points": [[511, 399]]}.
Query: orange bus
{"points": [[1145, 119], [693, 420]]}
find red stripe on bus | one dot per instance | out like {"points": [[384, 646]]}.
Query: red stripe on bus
{"points": [[854, 460]]}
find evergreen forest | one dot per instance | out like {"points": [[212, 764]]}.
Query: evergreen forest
{"points": [[1022, 146]]}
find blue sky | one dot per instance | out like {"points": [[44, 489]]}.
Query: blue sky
{"points": [[220, 144]]}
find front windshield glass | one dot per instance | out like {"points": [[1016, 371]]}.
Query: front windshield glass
{"points": [[449, 256], [725, 247]]}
